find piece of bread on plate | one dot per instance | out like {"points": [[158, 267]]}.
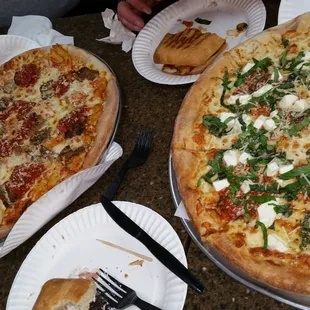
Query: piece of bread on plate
{"points": [[66, 294], [189, 51]]}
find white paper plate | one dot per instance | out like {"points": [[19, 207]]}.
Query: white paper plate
{"points": [[224, 14], [71, 246], [290, 9], [11, 46]]}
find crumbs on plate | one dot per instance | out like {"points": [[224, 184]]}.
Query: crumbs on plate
{"points": [[138, 262]]}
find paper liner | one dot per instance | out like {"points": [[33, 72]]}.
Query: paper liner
{"points": [[290, 9], [11, 45], [56, 200], [55, 255]]}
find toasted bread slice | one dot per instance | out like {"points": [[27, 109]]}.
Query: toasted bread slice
{"points": [[66, 294], [188, 70], [187, 48]]}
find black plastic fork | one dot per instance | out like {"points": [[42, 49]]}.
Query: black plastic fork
{"points": [[137, 158], [118, 295]]}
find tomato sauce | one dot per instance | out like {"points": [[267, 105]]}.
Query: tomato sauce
{"points": [[27, 76], [61, 86], [22, 178]]}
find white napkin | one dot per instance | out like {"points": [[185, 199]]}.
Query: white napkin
{"points": [[56, 200], [38, 29], [118, 33]]}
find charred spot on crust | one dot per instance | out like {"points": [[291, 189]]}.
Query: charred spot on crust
{"points": [[87, 74]]}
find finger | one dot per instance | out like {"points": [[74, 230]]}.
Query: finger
{"points": [[140, 6], [125, 13], [128, 25]]}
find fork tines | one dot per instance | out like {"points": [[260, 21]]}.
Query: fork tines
{"points": [[111, 289], [144, 140]]}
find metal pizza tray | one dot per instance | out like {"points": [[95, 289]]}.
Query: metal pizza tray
{"points": [[292, 299], [105, 152]]}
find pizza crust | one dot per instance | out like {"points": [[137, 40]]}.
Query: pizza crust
{"points": [[107, 120], [191, 110], [284, 276]]}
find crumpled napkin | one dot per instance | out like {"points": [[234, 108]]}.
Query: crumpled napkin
{"points": [[39, 29], [118, 33]]}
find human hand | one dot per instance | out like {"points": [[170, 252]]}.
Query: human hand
{"points": [[129, 13]]}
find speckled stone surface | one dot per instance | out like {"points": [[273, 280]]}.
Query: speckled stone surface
{"points": [[154, 106]]}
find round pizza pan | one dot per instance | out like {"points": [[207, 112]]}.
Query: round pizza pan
{"points": [[292, 299], [105, 152]]}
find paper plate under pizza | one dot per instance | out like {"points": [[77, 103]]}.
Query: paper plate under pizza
{"points": [[58, 111], [241, 153]]}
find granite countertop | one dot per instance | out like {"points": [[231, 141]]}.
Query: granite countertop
{"points": [[155, 106]]}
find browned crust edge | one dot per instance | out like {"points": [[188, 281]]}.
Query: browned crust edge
{"points": [[106, 123], [285, 277]]}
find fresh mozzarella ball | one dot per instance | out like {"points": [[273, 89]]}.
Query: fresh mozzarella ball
{"points": [[269, 124], [287, 101], [220, 184], [272, 169], [230, 157], [258, 124]]}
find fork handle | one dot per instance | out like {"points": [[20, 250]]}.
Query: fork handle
{"points": [[113, 188], [143, 305]]}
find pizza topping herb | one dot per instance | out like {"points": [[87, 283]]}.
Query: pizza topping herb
{"points": [[302, 170], [295, 129], [285, 42], [305, 231], [226, 87], [265, 235], [262, 64], [202, 21], [283, 209], [215, 126], [293, 63], [262, 199]]}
